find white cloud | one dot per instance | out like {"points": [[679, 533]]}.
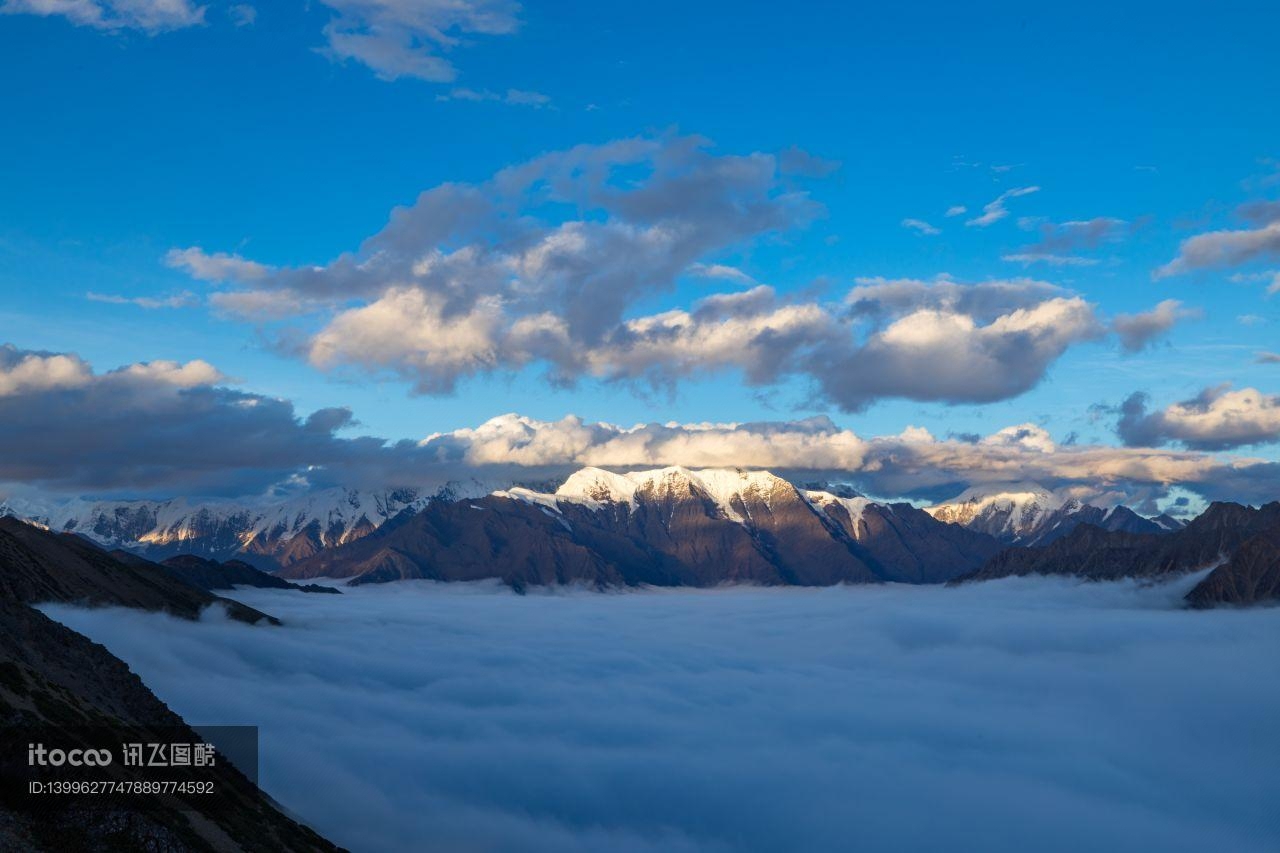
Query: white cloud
{"points": [[911, 464], [184, 299], [511, 97], [1028, 714], [957, 210], [720, 271], [164, 428], [243, 15], [24, 372], [1218, 418], [921, 227], [948, 356], [218, 266], [996, 210], [408, 38], [1028, 258], [1138, 331], [150, 16]]}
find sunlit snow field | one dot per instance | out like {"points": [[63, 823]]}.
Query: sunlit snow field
{"points": [[1008, 716]]}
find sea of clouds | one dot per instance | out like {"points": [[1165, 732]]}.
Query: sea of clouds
{"points": [[1028, 714]]}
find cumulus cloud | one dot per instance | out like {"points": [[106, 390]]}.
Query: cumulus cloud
{"points": [[522, 284], [409, 38], [1027, 714], [158, 426], [1138, 331], [1218, 418], [1267, 358], [1223, 249], [950, 357], [885, 298], [920, 227], [24, 371], [473, 280], [995, 210], [150, 16]]}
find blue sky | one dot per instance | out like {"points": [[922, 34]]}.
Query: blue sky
{"points": [[128, 139]]}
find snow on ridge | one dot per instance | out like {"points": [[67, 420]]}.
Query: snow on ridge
{"points": [[855, 507], [1027, 504], [596, 488]]}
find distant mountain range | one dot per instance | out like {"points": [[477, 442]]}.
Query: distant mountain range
{"points": [[264, 533], [1240, 543], [1029, 515], [669, 526]]}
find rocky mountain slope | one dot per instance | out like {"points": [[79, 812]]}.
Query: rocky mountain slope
{"points": [[51, 675], [670, 526], [40, 566], [212, 576], [1240, 542], [1030, 515], [1250, 576]]}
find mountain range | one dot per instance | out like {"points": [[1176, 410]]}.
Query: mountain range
{"points": [[1028, 514], [266, 533], [668, 526]]}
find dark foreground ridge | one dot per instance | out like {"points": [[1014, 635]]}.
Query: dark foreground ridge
{"points": [[40, 566], [1242, 543], [211, 575], [51, 675]]}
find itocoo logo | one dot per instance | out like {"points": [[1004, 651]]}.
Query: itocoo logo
{"points": [[37, 755]]}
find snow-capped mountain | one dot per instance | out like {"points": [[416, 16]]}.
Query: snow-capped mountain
{"points": [[668, 526], [1029, 514], [263, 532]]}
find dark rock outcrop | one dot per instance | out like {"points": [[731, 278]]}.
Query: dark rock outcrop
{"points": [[40, 566], [211, 575], [1251, 576], [1241, 543]]}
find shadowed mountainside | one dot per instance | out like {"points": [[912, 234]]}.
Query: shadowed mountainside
{"points": [[53, 676], [671, 527], [1243, 544], [41, 566]]}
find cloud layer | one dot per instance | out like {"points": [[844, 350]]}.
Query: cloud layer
{"points": [[1009, 716], [168, 429], [556, 263]]}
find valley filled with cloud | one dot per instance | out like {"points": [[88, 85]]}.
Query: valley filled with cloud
{"points": [[1042, 714]]}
